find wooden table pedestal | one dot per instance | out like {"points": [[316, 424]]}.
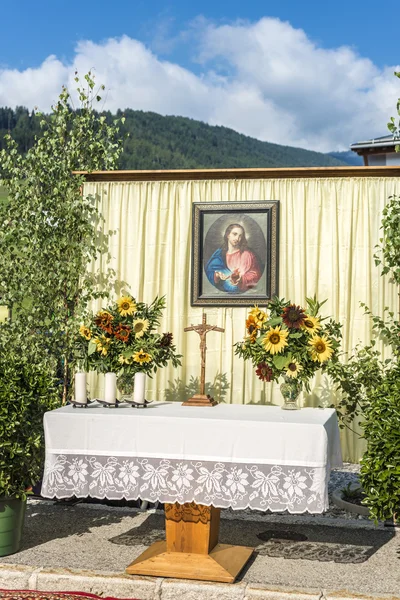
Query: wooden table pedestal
{"points": [[191, 549]]}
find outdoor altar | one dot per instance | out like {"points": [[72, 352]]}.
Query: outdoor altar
{"points": [[195, 461]]}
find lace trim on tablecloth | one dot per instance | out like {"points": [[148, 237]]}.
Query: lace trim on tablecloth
{"points": [[221, 484]]}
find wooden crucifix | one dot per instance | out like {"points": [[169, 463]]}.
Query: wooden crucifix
{"points": [[202, 399]]}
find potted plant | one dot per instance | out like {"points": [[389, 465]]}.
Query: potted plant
{"points": [[122, 338], [28, 389], [371, 394], [370, 390], [289, 342]]}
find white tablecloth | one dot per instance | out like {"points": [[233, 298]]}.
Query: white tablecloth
{"points": [[229, 455]]}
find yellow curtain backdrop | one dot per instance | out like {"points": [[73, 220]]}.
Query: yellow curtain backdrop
{"points": [[328, 230]]}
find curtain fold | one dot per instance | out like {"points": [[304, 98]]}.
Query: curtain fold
{"points": [[329, 228]]}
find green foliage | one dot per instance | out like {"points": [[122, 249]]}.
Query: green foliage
{"points": [[153, 141], [389, 249], [370, 389], [387, 329], [371, 386], [27, 390], [365, 371], [380, 465], [353, 493], [356, 379], [3, 194], [122, 339], [394, 127], [49, 231], [388, 254]]}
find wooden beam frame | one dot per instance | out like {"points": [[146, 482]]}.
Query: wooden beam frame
{"points": [[218, 174]]}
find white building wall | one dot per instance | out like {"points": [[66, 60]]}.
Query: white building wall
{"points": [[381, 160], [376, 160], [393, 158]]}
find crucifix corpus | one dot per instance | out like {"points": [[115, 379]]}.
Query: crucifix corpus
{"points": [[202, 399]]}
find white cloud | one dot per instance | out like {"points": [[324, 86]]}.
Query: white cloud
{"points": [[33, 87], [264, 79]]}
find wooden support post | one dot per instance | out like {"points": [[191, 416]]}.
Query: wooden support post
{"points": [[191, 550], [191, 527]]}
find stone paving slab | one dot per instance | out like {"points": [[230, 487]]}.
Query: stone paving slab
{"points": [[147, 588], [79, 548]]}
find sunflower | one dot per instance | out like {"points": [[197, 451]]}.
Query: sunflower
{"points": [[122, 333], [252, 327], [102, 344], [293, 368], [311, 324], [142, 356], [321, 348], [124, 360], [251, 339], [166, 340], [104, 319], [264, 372], [275, 340], [126, 306], [260, 316], [85, 332], [293, 316], [139, 327]]}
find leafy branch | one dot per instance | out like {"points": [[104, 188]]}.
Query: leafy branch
{"points": [[49, 231]]}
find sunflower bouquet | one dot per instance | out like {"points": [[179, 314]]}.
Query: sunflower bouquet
{"points": [[122, 339], [289, 341]]}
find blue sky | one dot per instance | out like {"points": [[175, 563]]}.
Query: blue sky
{"points": [[310, 74]]}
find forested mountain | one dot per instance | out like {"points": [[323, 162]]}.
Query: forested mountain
{"points": [[348, 157], [158, 142]]}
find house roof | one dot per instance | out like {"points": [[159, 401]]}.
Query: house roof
{"points": [[380, 143]]}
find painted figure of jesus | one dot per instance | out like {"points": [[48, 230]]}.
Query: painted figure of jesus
{"points": [[233, 268]]}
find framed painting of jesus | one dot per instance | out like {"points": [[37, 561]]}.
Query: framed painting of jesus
{"points": [[234, 253]]}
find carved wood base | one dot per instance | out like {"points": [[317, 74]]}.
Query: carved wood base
{"points": [[191, 550], [222, 564], [200, 400]]}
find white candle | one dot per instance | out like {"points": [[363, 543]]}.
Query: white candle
{"points": [[110, 388], [138, 391], [80, 388]]}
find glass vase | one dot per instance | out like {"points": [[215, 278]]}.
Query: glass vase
{"points": [[125, 385], [290, 390]]}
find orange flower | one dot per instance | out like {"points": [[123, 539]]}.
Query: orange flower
{"points": [[252, 326], [122, 332], [104, 320]]}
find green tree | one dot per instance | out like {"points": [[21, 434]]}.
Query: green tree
{"points": [[370, 385], [49, 231], [394, 127], [366, 371], [389, 249]]}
